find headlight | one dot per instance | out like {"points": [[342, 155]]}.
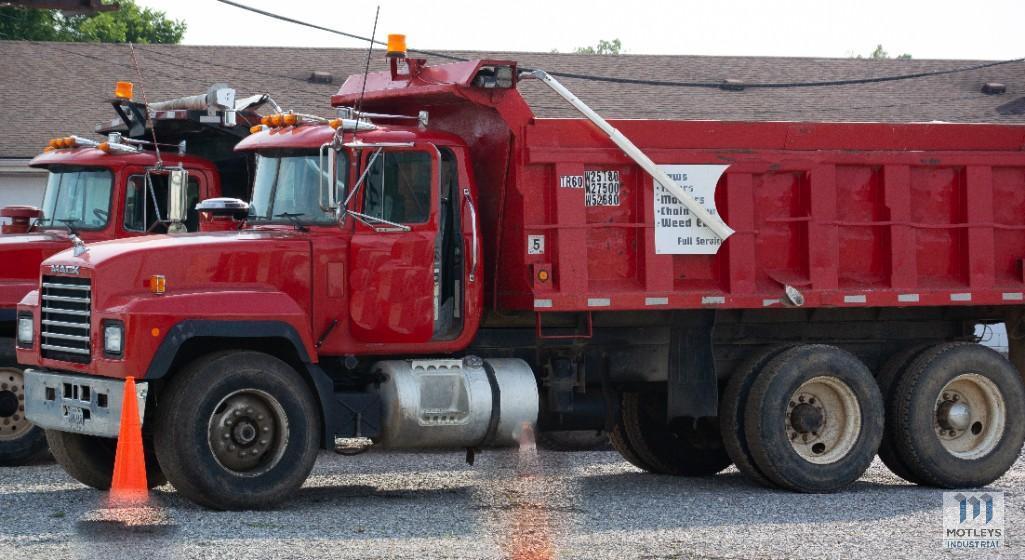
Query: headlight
{"points": [[25, 330], [113, 338]]}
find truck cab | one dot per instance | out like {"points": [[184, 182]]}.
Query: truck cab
{"points": [[391, 228]]}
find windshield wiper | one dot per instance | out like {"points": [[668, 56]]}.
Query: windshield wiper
{"points": [[69, 223], [294, 218]]}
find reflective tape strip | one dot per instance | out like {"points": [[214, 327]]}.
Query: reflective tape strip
{"points": [[1013, 296], [907, 297], [855, 299], [960, 297], [656, 301], [713, 300], [542, 303], [599, 302]]}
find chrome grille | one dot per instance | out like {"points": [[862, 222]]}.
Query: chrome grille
{"points": [[66, 305]]}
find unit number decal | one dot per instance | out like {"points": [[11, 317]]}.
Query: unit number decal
{"points": [[677, 232], [602, 188], [571, 181], [535, 244]]}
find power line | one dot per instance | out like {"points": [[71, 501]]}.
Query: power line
{"points": [[664, 83], [335, 31]]}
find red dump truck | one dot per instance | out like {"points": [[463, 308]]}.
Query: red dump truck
{"points": [[437, 268], [98, 190]]}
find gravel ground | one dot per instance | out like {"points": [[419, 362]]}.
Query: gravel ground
{"points": [[512, 504]]}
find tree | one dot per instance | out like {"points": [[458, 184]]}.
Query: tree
{"points": [[129, 23], [881, 54], [604, 47]]}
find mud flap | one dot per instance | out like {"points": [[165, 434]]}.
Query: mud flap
{"points": [[693, 385]]}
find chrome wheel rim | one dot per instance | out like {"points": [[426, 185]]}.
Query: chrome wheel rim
{"points": [[823, 420], [248, 432], [13, 424], [970, 416]]}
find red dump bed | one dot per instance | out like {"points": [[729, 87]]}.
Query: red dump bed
{"points": [[848, 214]]}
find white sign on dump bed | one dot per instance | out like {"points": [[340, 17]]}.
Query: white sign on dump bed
{"points": [[677, 231]]}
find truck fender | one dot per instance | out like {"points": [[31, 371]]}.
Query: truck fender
{"points": [[177, 335], [337, 416]]}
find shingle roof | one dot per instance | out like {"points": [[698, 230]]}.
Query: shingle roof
{"points": [[50, 89]]}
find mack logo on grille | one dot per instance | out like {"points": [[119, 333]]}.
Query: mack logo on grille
{"points": [[63, 269]]}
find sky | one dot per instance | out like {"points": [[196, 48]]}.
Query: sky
{"points": [[980, 29]]}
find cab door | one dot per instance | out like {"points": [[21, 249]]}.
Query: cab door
{"points": [[394, 272]]}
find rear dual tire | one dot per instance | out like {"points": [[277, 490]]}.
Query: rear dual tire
{"points": [[731, 413], [644, 438], [814, 419], [805, 418], [955, 417]]}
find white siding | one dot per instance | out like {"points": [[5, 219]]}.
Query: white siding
{"points": [[20, 184]]}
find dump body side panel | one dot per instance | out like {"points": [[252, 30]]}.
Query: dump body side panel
{"points": [[848, 214]]}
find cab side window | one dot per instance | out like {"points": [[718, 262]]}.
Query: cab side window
{"points": [[143, 206], [398, 188]]}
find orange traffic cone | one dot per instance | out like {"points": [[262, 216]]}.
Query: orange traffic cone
{"points": [[129, 482]]}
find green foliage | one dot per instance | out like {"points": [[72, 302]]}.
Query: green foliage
{"points": [[130, 23], [880, 54], [604, 47]]}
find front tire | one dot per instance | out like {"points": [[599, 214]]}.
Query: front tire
{"points": [[237, 430], [20, 441]]}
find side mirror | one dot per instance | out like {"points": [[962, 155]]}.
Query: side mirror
{"points": [[329, 200], [177, 200]]}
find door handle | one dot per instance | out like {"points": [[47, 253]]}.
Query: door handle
{"points": [[473, 228]]}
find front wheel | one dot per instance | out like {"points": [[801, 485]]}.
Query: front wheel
{"points": [[237, 430], [20, 440]]}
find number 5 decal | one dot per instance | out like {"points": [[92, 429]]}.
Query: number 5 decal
{"points": [[535, 244]]}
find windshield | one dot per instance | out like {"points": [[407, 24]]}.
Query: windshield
{"points": [[79, 197], [287, 186]]}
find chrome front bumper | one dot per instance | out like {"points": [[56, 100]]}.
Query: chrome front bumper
{"points": [[78, 403]]}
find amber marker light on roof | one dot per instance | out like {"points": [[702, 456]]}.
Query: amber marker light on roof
{"points": [[255, 129], [291, 119], [124, 90], [396, 45]]}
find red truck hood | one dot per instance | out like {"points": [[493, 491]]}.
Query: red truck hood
{"points": [[21, 255], [192, 262]]}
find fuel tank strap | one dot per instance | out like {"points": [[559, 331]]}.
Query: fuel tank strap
{"points": [[496, 405]]}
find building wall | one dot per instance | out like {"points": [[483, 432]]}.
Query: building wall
{"points": [[20, 184]]}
